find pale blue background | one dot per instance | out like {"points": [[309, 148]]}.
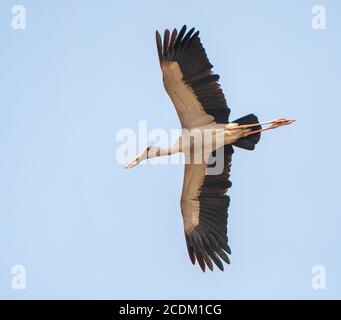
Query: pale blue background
{"points": [[85, 228]]}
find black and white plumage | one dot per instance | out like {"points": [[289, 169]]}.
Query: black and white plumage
{"points": [[189, 55], [201, 105]]}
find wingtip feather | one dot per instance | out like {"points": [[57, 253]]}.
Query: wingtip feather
{"points": [[158, 44]]}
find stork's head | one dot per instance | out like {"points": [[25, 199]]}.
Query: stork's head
{"points": [[147, 153]]}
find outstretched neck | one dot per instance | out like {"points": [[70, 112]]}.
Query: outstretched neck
{"points": [[168, 151]]}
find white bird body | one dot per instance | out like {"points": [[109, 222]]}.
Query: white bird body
{"points": [[206, 139], [203, 140]]}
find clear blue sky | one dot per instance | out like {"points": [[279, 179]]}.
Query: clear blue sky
{"points": [[83, 227]]}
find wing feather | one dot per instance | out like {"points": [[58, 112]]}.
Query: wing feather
{"points": [[204, 205], [188, 79]]}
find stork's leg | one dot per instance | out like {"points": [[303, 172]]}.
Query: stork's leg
{"points": [[274, 124], [278, 122]]}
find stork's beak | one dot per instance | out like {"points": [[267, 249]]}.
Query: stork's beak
{"points": [[134, 162]]}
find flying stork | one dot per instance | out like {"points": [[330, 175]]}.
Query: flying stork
{"points": [[200, 104]]}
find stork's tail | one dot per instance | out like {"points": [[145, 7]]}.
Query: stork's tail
{"points": [[250, 141]]}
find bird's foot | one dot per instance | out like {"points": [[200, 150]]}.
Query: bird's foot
{"points": [[278, 122]]}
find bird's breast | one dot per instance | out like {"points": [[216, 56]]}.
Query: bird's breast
{"points": [[201, 142]]}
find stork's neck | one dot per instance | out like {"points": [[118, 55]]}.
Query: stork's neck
{"points": [[174, 148]]}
